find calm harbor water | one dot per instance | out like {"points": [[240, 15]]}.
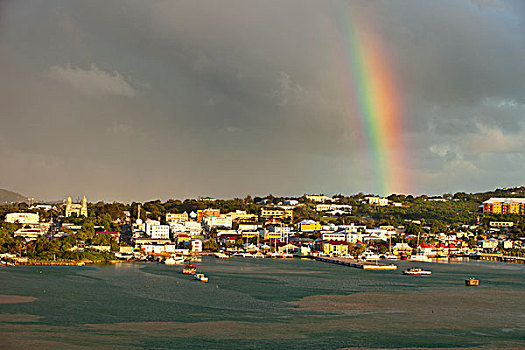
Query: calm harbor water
{"points": [[252, 303]]}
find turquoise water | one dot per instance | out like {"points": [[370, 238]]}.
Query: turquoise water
{"points": [[262, 303]]}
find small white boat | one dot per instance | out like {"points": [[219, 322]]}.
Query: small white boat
{"points": [[419, 257], [221, 256], [174, 261], [417, 272], [201, 277], [258, 255], [368, 255], [390, 256]]}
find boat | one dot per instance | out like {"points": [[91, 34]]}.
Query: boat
{"points": [[189, 269], [201, 277], [390, 256], [258, 255], [414, 271], [221, 256], [471, 282], [419, 257], [369, 255], [174, 261]]}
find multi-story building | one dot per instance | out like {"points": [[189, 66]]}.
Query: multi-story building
{"points": [[309, 226], [157, 231], [22, 218], [335, 247], [504, 206], [242, 216], [176, 217], [501, 224], [201, 214], [335, 236], [218, 221], [276, 213]]}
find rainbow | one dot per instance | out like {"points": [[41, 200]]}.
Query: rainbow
{"points": [[370, 92]]}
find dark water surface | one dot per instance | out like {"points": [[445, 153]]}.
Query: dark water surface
{"points": [[261, 303]]}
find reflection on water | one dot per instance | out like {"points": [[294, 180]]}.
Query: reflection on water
{"points": [[264, 304]]}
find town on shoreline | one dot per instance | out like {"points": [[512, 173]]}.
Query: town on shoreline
{"points": [[361, 227]]}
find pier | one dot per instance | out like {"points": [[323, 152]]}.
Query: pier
{"points": [[500, 257], [365, 265]]}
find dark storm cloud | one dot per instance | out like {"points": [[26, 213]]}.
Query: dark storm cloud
{"points": [[137, 100]]}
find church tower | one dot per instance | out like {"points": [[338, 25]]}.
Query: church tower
{"points": [[83, 208]]}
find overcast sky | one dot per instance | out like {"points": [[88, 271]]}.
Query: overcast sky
{"points": [[139, 100]]}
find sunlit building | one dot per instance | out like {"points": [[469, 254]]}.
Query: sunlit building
{"points": [[504, 206]]}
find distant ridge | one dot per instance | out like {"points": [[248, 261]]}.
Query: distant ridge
{"points": [[7, 196]]}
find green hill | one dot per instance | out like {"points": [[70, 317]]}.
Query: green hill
{"points": [[7, 196]]}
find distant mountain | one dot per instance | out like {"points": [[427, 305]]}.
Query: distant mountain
{"points": [[7, 196]]}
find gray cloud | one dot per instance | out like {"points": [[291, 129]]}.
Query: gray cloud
{"points": [[139, 100], [93, 81]]}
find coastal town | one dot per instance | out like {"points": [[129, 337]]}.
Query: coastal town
{"points": [[363, 228]]}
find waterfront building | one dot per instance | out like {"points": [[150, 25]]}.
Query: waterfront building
{"points": [[22, 218], [504, 206], [196, 246], [335, 247], [402, 249], [289, 248]]}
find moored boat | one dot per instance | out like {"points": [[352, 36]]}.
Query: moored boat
{"points": [[201, 277], [174, 261], [189, 269], [471, 282], [417, 272]]}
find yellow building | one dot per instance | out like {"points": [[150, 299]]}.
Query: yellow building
{"points": [[504, 206], [402, 249], [276, 213], [250, 234], [335, 248], [309, 226], [78, 209], [271, 235]]}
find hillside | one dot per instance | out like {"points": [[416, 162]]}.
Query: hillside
{"points": [[7, 196]]}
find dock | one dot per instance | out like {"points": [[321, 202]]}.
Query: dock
{"points": [[365, 265]]}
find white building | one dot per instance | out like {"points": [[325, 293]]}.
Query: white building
{"points": [[196, 246], [218, 221], [319, 198], [335, 236], [334, 207], [377, 201], [157, 231], [22, 218], [29, 233]]}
